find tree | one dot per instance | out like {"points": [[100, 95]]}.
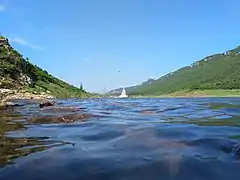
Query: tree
{"points": [[81, 87]]}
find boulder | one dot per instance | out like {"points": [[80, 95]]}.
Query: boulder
{"points": [[46, 104]]}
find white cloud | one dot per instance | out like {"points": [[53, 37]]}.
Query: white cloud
{"points": [[2, 8], [24, 42]]}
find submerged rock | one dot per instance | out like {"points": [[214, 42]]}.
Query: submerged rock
{"points": [[47, 104], [69, 118]]}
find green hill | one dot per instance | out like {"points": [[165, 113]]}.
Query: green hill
{"points": [[219, 71], [16, 72]]}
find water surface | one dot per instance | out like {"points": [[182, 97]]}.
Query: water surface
{"points": [[122, 139]]}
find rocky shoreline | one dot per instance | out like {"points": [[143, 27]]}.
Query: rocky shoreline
{"points": [[6, 95], [44, 104]]}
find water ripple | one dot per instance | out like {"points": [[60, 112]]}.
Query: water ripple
{"points": [[121, 139]]}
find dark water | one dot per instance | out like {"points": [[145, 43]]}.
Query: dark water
{"points": [[122, 139]]}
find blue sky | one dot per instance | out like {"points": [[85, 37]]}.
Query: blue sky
{"points": [[90, 41]]}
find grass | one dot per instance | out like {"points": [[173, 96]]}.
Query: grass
{"points": [[197, 93]]}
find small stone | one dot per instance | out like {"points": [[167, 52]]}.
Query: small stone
{"points": [[46, 104]]}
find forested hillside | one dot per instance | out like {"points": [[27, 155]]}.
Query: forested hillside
{"points": [[219, 71], [16, 72]]}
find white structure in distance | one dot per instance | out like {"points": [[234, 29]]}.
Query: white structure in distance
{"points": [[123, 94]]}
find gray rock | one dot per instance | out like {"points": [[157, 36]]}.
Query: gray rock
{"points": [[4, 41]]}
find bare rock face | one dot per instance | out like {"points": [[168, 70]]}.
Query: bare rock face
{"points": [[24, 79], [4, 41], [46, 103]]}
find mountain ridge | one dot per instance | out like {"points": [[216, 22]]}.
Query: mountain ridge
{"points": [[217, 71]]}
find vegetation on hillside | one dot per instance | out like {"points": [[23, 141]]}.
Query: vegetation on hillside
{"points": [[219, 71], [205, 93], [16, 72]]}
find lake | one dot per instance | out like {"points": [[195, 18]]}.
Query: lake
{"points": [[122, 139]]}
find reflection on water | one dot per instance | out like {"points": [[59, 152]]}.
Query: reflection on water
{"points": [[193, 138], [15, 147]]}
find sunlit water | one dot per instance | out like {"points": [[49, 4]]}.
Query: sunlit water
{"points": [[123, 139]]}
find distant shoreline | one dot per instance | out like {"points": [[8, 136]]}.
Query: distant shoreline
{"points": [[195, 94], [237, 96]]}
